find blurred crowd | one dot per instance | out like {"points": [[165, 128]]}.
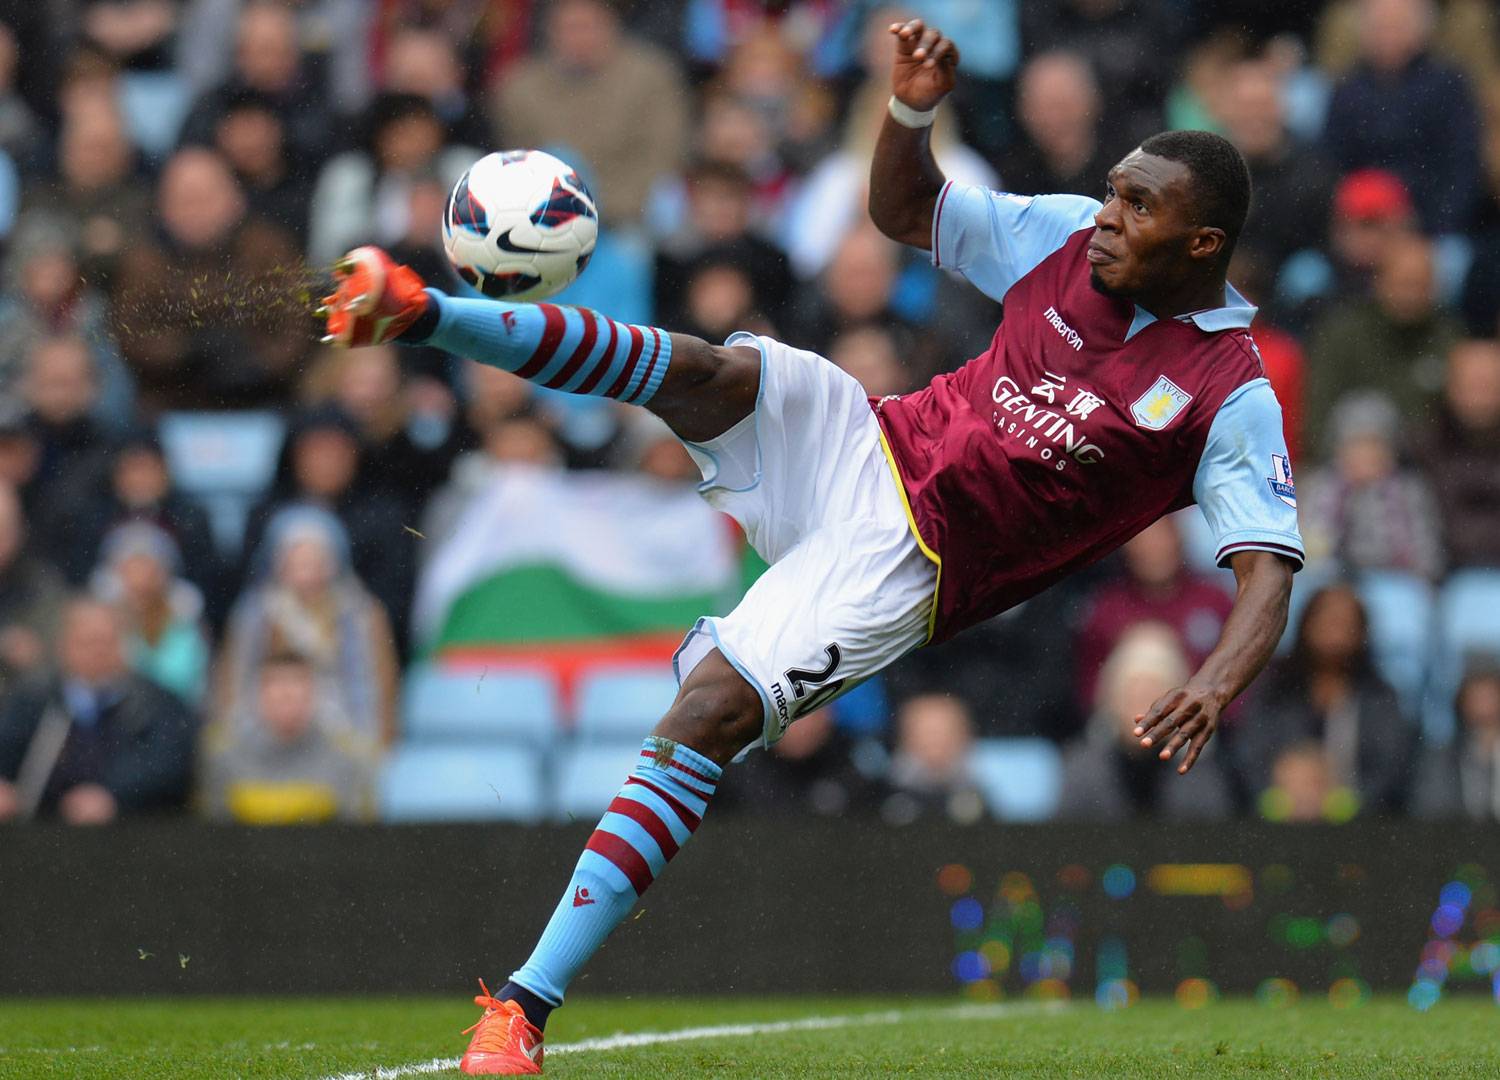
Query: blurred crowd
{"points": [[173, 174]]}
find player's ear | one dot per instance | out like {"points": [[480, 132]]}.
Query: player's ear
{"points": [[1207, 242]]}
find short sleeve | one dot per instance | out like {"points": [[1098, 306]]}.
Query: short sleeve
{"points": [[1244, 481], [994, 238]]}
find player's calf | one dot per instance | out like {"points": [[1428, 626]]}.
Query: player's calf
{"points": [[705, 389]]}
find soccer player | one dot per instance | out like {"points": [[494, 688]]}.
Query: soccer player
{"points": [[1122, 384]]}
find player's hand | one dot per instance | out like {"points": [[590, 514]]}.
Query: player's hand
{"points": [[926, 65], [1185, 717], [373, 301]]}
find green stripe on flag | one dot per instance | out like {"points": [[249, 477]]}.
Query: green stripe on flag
{"points": [[540, 603]]}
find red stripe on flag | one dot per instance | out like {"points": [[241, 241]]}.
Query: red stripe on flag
{"points": [[637, 342], [686, 816], [679, 766], [552, 335], [630, 861], [580, 354], [603, 365], [655, 353], [643, 816]]}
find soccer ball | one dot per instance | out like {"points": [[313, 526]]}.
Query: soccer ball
{"points": [[519, 225]]}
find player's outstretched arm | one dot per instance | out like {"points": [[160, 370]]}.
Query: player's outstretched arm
{"points": [[700, 390], [904, 177], [1189, 716]]}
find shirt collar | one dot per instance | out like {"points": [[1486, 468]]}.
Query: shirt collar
{"points": [[1234, 315]]}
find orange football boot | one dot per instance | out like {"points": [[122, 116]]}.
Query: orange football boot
{"points": [[505, 1043], [375, 298]]}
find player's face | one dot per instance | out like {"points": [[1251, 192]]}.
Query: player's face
{"points": [[1145, 243]]}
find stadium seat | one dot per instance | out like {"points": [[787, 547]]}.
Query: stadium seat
{"points": [[589, 776], [1400, 610], [1468, 621], [1019, 778], [438, 782], [225, 460], [623, 703], [480, 706]]}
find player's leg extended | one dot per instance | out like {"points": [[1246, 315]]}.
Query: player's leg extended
{"points": [[716, 714], [701, 390]]}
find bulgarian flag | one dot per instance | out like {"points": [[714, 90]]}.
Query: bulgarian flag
{"points": [[575, 569]]}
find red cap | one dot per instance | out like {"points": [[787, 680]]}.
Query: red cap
{"points": [[1372, 194]]}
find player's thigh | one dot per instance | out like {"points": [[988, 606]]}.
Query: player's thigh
{"points": [[846, 602], [707, 388], [809, 455]]}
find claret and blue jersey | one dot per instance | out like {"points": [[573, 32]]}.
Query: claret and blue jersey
{"points": [[1085, 420]]}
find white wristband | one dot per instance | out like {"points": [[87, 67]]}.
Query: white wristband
{"points": [[906, 116]]}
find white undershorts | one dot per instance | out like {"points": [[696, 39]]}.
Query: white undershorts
{"points": [[849, 590]]}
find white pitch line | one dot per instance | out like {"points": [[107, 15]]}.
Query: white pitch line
{"points": [[624, 1041]]}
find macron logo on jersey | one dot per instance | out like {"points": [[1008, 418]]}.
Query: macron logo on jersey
{"points": [[1068, 334]]}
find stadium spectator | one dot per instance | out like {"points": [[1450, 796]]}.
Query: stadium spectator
{"points": [[61, 391], [767, 71], [303, 596], [1063, 146], [1460, 453], [165, 638], [1462, 779], [291, 759], [1328, 692], [95, 741], [32, 598], [718, 297], [364, 196], [810, 770], [1107, 775], [1293, 183], [1402, 109], [930, 765], [424, 60], [717, 225], [213, 315], [46, 296], [21, 458], [1131, 46], [321, 466], [870, 353], [1156, 587], [96, 187], [1393, 342], [268, 60], [1364, 510], [619, 103], [137, 487], [1303, 788], [251, 135], [1371, 210], [410, 430]]}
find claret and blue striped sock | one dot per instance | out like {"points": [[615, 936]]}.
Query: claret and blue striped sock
{"points": [[562, 348], [653, 815]]}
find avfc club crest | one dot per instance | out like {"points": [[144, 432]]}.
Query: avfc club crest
{"points": [[1281, 480], [1157, 407]]}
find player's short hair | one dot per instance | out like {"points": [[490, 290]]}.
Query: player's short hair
{"points": [[1221, 179]]}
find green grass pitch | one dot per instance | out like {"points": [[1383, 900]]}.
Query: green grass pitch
{"points": [[844, 1037]]}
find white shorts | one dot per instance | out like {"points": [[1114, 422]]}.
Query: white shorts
{"points": [[849, 590]]}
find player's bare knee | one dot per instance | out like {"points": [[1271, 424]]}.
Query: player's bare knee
{"points": [[717, 715]]}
